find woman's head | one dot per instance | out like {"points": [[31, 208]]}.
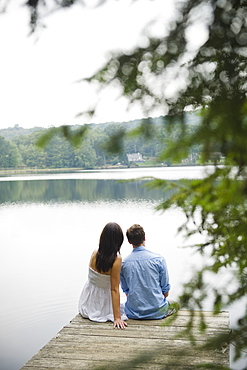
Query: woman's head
{"points": [[110, 243]]}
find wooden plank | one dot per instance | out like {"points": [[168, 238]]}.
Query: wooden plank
{"points": [[105, 351], [81, 335], [178, 358], [160, 359], [78, 365], [221, 320], [219, 325], [108, 345], [83, 344], [178, 324]]}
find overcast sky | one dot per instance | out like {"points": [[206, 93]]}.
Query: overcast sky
{"points": [[38, 74]]}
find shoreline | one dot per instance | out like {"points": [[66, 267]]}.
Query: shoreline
{"points": [[27, 171]]}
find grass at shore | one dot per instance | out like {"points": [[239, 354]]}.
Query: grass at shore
{"points": [[24, 171]]}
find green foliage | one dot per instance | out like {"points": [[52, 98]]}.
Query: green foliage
{"points": [[54, 151], [9, 155], [73, 136], [115, 144], [11, 132]]}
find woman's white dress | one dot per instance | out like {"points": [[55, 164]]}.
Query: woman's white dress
{"points": [[95, 301]]}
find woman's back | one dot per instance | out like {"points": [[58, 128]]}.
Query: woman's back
{"points": [[92, 264], [100, 297]]}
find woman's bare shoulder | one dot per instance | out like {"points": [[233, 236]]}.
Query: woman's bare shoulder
{"points": [[118, 261], [93, 255], [93, 259], [119, 257]]}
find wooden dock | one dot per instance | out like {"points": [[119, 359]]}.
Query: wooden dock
{"points": [[146, 344]]}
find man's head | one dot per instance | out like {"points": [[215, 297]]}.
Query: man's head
{"points": [[135, 235]]}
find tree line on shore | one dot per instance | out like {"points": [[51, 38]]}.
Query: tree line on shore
{"points": [[18, 146]]}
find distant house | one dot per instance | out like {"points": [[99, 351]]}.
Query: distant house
{"points": [[135, 157]]}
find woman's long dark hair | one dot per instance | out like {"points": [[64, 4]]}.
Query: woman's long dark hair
{"points": [[110, 243]]}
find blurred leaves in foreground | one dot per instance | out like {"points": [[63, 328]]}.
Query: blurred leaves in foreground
{"points": [[75, 137]]}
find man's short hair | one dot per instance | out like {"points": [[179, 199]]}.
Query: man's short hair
{"points": [[135, 235]]}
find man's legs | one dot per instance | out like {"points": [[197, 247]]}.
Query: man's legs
{"points": [[173, 307]]}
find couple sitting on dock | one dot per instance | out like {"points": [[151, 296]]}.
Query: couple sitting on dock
{"points": [[143, 276]]}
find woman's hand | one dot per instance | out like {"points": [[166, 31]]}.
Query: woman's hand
{"points": [[120, 324]]}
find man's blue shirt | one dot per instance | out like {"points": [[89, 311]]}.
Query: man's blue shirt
{"points": [[144, 278]]}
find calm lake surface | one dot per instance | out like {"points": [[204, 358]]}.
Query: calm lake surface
{"points": [[51, 223]]}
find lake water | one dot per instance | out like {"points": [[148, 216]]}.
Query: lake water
{"points": [[51, 223]]}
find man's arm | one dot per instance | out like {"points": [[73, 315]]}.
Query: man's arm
{"points": [[123, 282], [164, 278]]}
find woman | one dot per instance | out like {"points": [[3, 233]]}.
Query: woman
{"points": [[100, 297]]}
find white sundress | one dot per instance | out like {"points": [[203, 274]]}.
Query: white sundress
{"points": [[95, 301]]}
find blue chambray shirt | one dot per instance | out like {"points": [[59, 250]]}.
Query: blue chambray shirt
{"points": [[144, 278]]}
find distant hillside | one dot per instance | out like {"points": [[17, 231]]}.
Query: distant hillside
{"points": [[11, 132], [191, 118]]}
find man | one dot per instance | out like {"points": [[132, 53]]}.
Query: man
{"points": [[144, 279]]}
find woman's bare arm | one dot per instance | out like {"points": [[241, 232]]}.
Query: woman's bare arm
{"points": [[115, 281]]}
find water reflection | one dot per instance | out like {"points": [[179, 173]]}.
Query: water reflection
{"points": [[71, 190]]}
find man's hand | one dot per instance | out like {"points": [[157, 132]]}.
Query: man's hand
{"points": [[166, 294]]}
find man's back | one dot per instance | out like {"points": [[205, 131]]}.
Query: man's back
{"points": [[145, 280]]}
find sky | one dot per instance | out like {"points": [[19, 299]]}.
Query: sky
{"points": [[39, 74]]}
